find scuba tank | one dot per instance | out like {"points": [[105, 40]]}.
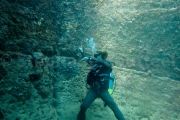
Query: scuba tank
{"points": [[111, 83]]}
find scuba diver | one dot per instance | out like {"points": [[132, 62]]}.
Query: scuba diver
{"points": [[98, 80]]}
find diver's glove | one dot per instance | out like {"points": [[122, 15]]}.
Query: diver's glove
{"points": [[91, 59], [85, 59], [80, 49]]}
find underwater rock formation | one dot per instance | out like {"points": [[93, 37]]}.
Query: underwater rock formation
{"points": [[42, 77]]}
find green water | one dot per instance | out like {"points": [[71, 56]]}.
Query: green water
{"points": [[41, 73]]}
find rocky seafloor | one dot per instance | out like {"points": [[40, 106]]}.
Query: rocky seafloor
{"points": [[42, 77]]}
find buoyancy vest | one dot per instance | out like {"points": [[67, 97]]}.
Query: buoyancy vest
{"points": [[99, 78]]}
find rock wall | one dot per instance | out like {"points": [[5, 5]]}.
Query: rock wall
{"points": [[41, 76], [144, 33], [34, 86], [140, 35]]}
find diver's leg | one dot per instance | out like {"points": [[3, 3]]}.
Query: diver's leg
{"points": [[106, 97], [90, 97]]}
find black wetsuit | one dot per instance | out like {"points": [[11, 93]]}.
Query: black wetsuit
{"points": [[99, 89]]}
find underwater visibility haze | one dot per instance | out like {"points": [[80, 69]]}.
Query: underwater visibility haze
{"points": [[43, 42]]}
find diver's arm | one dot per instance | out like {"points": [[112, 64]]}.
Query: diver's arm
{"points": [[87, 59], [91, 61], [99, 61]]}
